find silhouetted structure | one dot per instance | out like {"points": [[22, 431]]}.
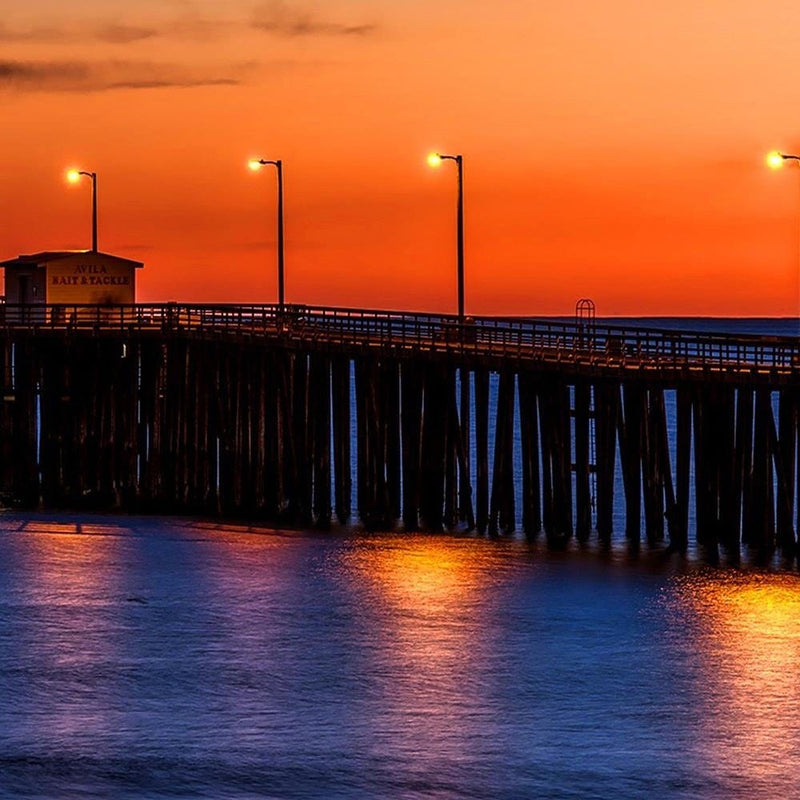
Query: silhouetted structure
{"points": [[244, 410]]}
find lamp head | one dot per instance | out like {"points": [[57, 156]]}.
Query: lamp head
{"points": [[775, 160], [73, 175], [434, 160]]}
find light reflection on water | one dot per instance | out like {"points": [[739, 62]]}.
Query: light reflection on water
{"points": [[746, 633], [144, 658]]}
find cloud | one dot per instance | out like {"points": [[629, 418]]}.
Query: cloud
{"points": [[21, 72], [112, 33], [275, 17], [124, 34], [187, 83], [118, 33], [77, 76]]}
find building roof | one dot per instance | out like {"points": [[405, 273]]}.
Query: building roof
{"points": [[47, 256]]}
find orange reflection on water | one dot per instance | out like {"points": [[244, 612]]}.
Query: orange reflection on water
{"points": [[426, 577], [429, 603], [71, 563], [749, 641], [69, 579]]}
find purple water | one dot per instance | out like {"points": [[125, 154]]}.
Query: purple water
{"points": [[154, 658]]}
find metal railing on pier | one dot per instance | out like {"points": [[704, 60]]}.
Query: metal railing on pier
{"points": [[514, 338]]}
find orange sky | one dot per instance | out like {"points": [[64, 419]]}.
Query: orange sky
{"points": [[612, 150]]}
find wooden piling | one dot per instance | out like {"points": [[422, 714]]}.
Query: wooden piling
{"points": [[606, 416], [762, 519], [742, 499], [786, 466], [481, 380], [502, 508], [411, 441], [466, 513], [340, 401], [320, 412], [529, 441], [583, 499], [452, 443], [392, 456], [434, 426], [630, 430]]}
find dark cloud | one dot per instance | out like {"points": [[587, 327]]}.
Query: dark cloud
{"points": [[22, 72], [124, 34], [63, 76], [186, 83], [276, 17], [112, 33], [118, 33]]}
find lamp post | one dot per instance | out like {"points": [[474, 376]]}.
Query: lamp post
{"points": [[775, 160], [256, 165], [435, 159], [73, 176]]}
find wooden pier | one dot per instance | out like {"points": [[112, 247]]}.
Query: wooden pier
{"points": [[248, 411]]}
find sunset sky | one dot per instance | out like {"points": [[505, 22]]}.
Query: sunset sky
{"points": [[612, 150]]}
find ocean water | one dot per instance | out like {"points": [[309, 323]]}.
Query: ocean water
{"points": [[759, 326], [174, 658], [169, 659]]}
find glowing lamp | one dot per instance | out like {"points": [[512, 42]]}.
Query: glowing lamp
{"points": [[73, 176], [434, 160], [775, 160], [255, 164]]}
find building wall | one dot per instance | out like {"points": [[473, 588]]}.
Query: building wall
{"points": [[90, 278]]}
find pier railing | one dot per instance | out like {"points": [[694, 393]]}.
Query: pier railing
{"points": [[518, 338]]}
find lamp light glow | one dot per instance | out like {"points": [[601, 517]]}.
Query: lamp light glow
{"points": [[254, 164], [434, 160], [775, 160], [73, 175]]}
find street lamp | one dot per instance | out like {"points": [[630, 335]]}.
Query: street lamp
{"points": [[255, 165], [434, 160], [775, 160], [73, 176]]}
